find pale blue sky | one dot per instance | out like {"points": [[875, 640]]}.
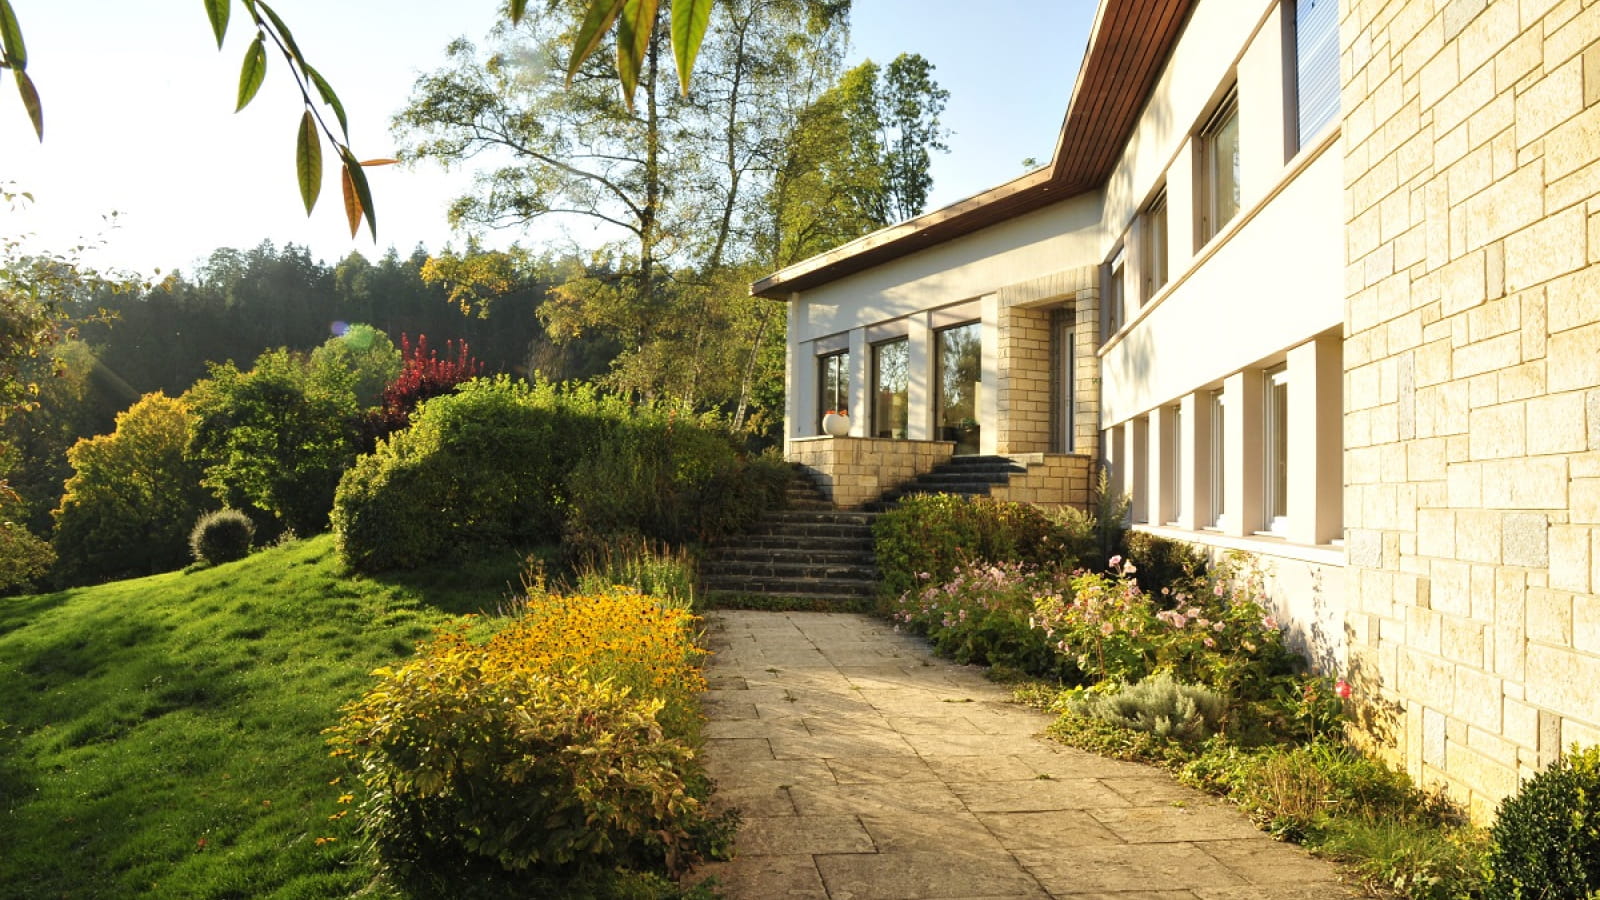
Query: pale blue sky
{"points": [[138, 115]]}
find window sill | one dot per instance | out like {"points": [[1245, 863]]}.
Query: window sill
{"points": [[1262, 543]]}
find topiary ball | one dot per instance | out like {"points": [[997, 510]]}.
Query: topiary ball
{"points": [[221, 536], [1546, 837]]}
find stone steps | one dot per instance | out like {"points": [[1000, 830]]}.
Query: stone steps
{"points": [[807, 551]]}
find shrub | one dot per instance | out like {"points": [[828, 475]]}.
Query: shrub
{"points": [[1160, 705], [129, 505], [221, 536], [927, 536], [668, 575], [422, 375], [500, 462], [1546, 837], [565, 741], [274, 439], [982, 614], [1220, 637], [1160, 563], [1295, 791], [1418, 860]]}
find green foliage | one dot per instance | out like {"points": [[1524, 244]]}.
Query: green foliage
{"points": [[363, 353], [221, 536], [580, 714], [501, 462], [274, 439], [1546, 837], [982, 614], [1160, 705], [23, 558], [1418, 860], [926, 537], [1295, 791], [477, 468], [127, 507], [1159, 563], [1220, 637], [652, 569]]}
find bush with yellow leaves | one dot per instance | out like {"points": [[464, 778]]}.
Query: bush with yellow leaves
{"points": [[564, 742]]}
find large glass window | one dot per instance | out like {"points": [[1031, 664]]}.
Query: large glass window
{"points": [[1219, 174], [1316, 68], [1153, 248], [891, 370], [833, 393], [1115, 292], [959, 361], [1276, 405]]}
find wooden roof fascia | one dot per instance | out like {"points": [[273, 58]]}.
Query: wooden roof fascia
{"points": [[1099, 118]]}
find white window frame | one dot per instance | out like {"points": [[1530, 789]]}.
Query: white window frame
{"points": [[1116, 292], [1153, 244], [1175, 463], [1219, 447], [1210, 223], [1272, 454]]}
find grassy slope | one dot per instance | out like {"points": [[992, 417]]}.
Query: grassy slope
{"points": [[161, 737]]}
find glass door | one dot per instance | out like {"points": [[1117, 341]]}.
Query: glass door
{"points": [[959, 362]]}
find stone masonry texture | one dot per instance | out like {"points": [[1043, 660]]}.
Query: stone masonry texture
{"points": [[1471, 138]]}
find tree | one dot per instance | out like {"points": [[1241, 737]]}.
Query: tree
{"points": [[859, 158], [274, 440], [132, 497], [366, 354]]}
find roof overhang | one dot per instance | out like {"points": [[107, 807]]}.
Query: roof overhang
{"points": [[1128, 44]]}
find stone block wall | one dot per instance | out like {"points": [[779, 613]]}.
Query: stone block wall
{"points": [[1051, 480], [852, 471], [1471, 136], [1025, 389]]}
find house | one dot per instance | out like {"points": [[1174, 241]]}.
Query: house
{"points": [[1318, 281]]}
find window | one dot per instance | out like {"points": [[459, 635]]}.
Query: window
{"points": [[959, 363], [1316, 66], [1275, 455], [1153, 247], [1063, 372], [1115, 291], [833, 394], [1219, 169], [891, 369], [1175, 469], [1219, 444]]}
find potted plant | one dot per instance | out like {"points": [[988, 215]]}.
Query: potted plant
{"points": [[836, 422]]}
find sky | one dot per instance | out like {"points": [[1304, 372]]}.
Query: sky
{"points": [[138, 108]]}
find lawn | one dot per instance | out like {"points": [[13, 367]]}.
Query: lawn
{"points": [[162, 737]]}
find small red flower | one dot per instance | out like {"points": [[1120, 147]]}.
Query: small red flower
{"points": [[1343, 689]]}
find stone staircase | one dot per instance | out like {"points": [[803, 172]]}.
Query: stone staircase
{"points": [[807, 552], [811, 553], [969, 475]]}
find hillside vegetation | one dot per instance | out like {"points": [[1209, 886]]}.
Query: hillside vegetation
{"points": [[162, 736]]}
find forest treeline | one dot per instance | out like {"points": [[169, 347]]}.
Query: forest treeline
{"points": [[239, 304]]}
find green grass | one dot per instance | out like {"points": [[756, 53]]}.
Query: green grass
{"points": [[162, 737]]}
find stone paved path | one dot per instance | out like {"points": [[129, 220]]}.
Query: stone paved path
{"points": [[866, 769]]}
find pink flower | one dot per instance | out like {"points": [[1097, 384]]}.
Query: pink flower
{"points": [[1343, 689], [1216, 626], [1106, 629], [1210, 643], [1116, 561], [1269, 623]]}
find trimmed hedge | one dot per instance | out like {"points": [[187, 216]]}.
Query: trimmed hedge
{"points": [[504, 462]]}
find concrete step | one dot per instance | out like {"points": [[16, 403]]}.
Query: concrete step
{"points": [[789, 587], [798, 553], [854, 542], [730, 568], [963, 476]]}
